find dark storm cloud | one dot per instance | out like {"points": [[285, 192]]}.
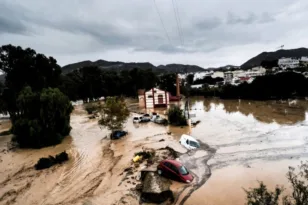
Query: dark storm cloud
{"points": [[64, 28]]}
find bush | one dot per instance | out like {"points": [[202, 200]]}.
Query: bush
{"points": [[299, 185], [44, 118], [92, 107], [45, 163], [176, 116]]}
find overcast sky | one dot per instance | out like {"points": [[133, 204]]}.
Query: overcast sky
{"points": [[213, 32]]}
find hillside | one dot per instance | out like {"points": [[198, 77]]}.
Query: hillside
{"points": [[119, 66], [256, 61]]}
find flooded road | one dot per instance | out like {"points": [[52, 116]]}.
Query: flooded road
{"points": [[254, 141], [241, 142]]}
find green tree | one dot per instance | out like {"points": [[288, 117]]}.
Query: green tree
{"points": [[43, 118], [176, 116], [114, 113], [261, 196], [190, 79], [25, 67], [299, 184], [39, 112]]}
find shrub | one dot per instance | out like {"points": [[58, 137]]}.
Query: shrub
{"points": [[45, 163], [92, 107], [299, 185], [176, 116]]}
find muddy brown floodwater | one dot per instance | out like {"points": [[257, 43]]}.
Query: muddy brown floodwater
{"points": [[241, 142]]}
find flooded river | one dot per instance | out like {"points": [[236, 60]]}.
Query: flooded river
{"points": [[242, 142]]}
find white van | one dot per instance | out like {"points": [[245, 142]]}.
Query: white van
{"points": [[189, 142]]}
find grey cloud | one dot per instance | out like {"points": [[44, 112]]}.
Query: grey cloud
{"points": [[266, 18], [208, 24], [234, 19], [9, 21], [11, 26], [164, 48]]}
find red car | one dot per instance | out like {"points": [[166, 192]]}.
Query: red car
{"points": [[174, 170]]}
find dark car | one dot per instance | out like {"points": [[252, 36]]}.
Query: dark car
{"points": [[174, 170], [117, 134]]}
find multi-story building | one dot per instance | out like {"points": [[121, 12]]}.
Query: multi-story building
{"points": [[285, 63]]}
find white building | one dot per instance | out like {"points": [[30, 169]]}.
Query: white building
{"points": [[154, 98], [201, 75], [218, 74], [285, 63]]}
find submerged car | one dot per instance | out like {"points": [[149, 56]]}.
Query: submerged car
{"points": [[174, 170], [117, 134], [189, 142]]}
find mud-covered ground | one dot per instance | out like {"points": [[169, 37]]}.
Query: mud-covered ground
{"points": [[241, 142]]}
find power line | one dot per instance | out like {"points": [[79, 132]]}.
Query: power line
{"points": [[181, 28], [177, 22], [162, 23]]}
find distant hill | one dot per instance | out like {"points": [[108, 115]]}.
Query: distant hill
{"points": [[119, 66], [256, 61], [224, 68]]}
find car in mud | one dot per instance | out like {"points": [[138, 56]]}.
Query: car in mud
{"points": [[174, 170], [160, 120], [145, 118], [189, 142], [115, 135], [137, 119]]}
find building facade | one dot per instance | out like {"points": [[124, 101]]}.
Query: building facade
{"points": [[285, 63], [154, 98]]}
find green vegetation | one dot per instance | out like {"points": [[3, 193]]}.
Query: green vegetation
{"points": [[176, 116], [114, 113], [92, 107], [299, 184], [39, 112], [43, 117]]}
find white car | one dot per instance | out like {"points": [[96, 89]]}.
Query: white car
{"points": [[189, 142], [137, 119]]}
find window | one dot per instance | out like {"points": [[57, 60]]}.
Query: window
{"points": [[150, 96], [160, 96], [194, 144], [183, 170], [173, 168]]}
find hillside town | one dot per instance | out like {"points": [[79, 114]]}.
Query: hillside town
{"points": [[237, 75]]}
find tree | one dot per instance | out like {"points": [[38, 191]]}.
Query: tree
{"points": [[261, 196], [114, 113], [190, 79], [176, 116], [24, 67], [43, 118], [299, 184], [39, 112], [167, 82]]}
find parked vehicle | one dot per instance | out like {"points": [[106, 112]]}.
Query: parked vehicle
{"points": [[160, 120], [189, 142], [117, 134], [175, 170], [146, 117], [137, 119]]}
